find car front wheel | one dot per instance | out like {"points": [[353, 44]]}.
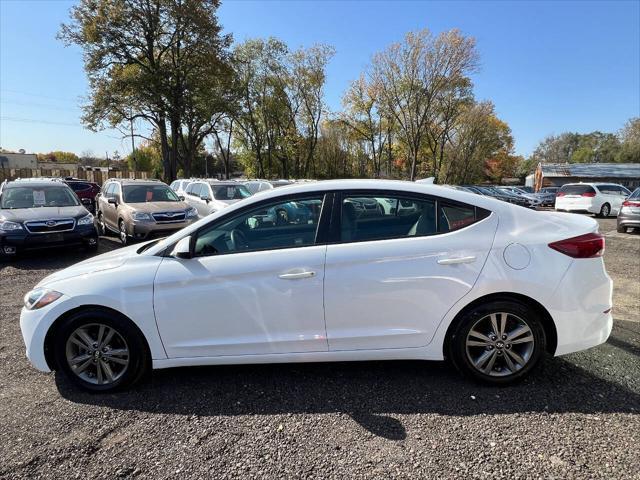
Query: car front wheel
{"points": [[100, 351], [122, 228], [498, 343], [605, 210]]}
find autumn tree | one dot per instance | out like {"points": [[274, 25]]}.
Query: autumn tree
{"points": [[411, 76]]}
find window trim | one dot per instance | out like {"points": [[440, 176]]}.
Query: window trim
{"points": [[320, 236], [336, 214]]}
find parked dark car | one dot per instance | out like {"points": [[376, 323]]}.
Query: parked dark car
{"points": [[42, 214], [86, 192], [492, 192], [547, 196], [629, 215]]}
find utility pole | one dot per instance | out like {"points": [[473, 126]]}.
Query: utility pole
{"points": [[133, 147]]}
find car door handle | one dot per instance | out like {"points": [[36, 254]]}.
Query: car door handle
{"points": [[296, 275], [456, 260]]}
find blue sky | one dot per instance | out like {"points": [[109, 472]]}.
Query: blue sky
{"points": [[548, 66]]}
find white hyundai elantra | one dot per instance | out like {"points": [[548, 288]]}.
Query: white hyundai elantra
{"points": [[356, 270]]}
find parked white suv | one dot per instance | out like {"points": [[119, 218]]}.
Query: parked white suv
{"points": [[209, 196], [602, 199]]}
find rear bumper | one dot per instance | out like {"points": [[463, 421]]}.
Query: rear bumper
{"points": [[581, 307], [22, 240], [629, 219]]}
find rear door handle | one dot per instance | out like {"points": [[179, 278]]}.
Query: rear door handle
{"points": [[296, 275], [456, 260]]}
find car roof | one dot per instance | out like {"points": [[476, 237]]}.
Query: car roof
{"points": [[132, 181], [35, 183]]}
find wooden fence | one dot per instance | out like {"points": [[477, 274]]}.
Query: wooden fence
{"points": [[95, 176]]}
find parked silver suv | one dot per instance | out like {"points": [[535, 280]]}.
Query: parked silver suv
{"points": [[141, 209]]}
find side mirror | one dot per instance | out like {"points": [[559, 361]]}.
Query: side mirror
{"points": [[181, 197], [206, 198], [112, 200], [86, 201], [182, 248]]}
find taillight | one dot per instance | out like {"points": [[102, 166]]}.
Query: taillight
{"points": [[590, 245], [630, 203], [560, 194], [589, 194]]}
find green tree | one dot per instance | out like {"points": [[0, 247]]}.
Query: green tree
{"points": [[148, 60]]}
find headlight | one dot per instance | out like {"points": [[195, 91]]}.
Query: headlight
{"points": [[40, 297], [10, 226], [141, 216], [86, 220], [191, 213]]}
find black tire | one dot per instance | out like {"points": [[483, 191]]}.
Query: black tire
{"points": [[102, 230], [461, 354], [138, 357], [605, 211], [122, 233], [621, 229]]}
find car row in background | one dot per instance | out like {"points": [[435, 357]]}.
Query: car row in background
{"points": [[42, 213]]}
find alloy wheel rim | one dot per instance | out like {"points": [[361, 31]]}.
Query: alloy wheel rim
{"points": [[123, 233], [500, 344], [605, 210], [97, 354]]}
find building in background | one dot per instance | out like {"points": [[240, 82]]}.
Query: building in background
{"points": [[557, 174], [18, 160]]}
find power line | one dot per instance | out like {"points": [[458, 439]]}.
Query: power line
{"points": [[39, 105], [37, 95], [32, 120]]}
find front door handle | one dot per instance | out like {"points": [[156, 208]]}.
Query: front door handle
{"points": [[456, 260], [296, 275]]}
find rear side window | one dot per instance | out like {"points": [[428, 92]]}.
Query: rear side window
{"points": [[576, 189], [378, 217], [78, 186], [636, 193]]}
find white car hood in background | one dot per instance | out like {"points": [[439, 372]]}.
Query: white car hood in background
{"points": [[106, 261]]}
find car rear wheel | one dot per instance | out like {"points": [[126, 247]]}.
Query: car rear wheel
{"points": [[621, 229], [605, 210], [498, 343], [100, 351]]}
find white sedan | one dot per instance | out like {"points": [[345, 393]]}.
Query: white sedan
{"points": [[449, 275]]}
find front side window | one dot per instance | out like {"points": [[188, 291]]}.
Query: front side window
{"points": [[149, 193], [230, 192], [283, 224], [34, 197]]}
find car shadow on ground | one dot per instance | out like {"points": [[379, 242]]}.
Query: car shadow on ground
{"points": [[373, 394]]}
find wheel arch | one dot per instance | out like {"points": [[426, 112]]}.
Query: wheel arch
{"points": [[49, 339], [545, 317]]}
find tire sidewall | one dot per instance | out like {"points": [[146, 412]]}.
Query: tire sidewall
{"points": [[138, 351], [124, 241], [458, 340]]}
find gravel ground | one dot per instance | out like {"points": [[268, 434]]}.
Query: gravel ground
{"points": [[579, 417]]}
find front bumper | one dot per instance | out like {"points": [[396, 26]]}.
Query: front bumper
{"points": [[145, 230], [23, 240], [32, 323]]}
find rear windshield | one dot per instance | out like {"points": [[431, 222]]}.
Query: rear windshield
{"points": [[230, 192], [576, 189], [149, 193], [34, 197]]}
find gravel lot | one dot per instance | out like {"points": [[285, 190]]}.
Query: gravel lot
{"points": [[577, 418]]}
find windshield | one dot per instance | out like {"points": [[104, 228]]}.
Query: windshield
{"points": [[34, 197], [230, 192], [148, 193]]}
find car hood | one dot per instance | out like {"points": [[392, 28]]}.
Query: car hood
{"points": [[106, 261], [227, 202], [42, 213], [155, 207]]}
